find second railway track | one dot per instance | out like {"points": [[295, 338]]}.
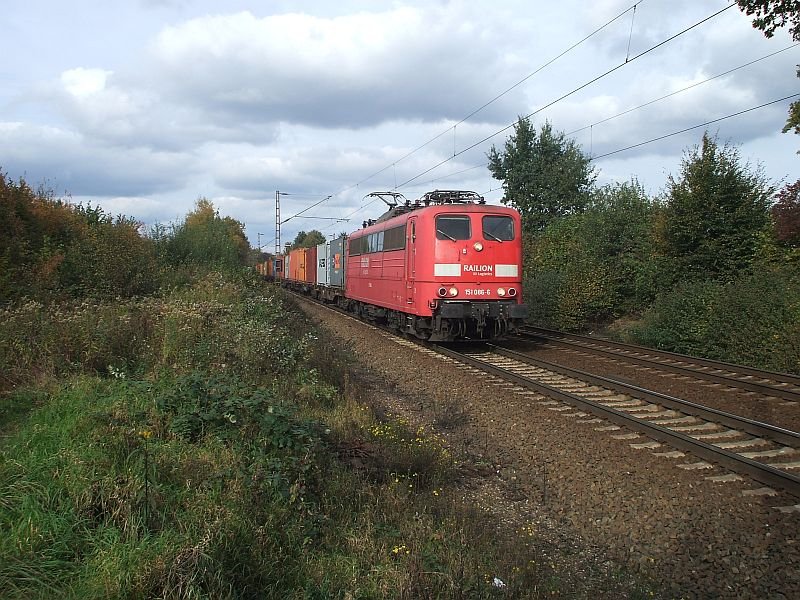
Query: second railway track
{"points": [[763, 452], [767, 383]]}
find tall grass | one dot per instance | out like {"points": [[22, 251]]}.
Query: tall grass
{"points": [[208, 446]]}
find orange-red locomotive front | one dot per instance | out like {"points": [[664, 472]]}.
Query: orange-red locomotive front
{"points": [[452, 268]]}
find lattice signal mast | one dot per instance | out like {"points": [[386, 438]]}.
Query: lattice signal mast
{"points": [[278, 195], [277, 222]]}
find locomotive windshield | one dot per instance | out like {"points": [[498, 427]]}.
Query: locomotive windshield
{"points": [[498, 228], [453, 227]]}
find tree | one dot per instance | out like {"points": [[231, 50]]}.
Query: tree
{"points": [[308, 240], [715, 212], [593, 266], [544, 176], [793, 121], [50, 248], [618, 230], [769, 15], [786, 214], [205, 238]]}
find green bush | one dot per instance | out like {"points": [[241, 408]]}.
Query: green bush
{"points": [[568, 286], [222, 324], [44, 341], [541, 294], [754, 320], [204, 239], [758, 321], [679, 320], [592, 267], [52, 249]]}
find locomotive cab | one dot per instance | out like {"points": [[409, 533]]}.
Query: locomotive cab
{"points": [[476, 279]]}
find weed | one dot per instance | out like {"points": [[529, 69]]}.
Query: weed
{"points": [[214, 460]]}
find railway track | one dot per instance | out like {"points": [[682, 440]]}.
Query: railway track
{"points": [[766, 383], [763, 452]]}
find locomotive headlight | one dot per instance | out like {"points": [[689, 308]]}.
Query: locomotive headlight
{"points": [[442, 291], [453, 291], [478, 246], [501, 292], [512, 292]]}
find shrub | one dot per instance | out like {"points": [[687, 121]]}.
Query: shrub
{"points": [[50, 248], [679, 320], [43, 341], [591, 267], [570, 286], [754, 320], [758, 321]]}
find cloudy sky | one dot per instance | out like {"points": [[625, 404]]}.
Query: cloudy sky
{"points": [[143, 106]]}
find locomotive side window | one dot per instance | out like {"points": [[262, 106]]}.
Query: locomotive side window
{"points": [[453, 227], [394, 238], [357, 246], [375, 243], [380, 241], [498, 228]]}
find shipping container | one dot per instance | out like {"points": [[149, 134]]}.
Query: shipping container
{"points": [[298, 264], [287, 266], [336, 262], [323, 255], [310, 276]]}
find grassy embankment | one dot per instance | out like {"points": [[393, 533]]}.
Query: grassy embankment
{"points": [[201, 444]]}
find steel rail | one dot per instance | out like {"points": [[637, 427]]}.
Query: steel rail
{"points": [[759, 471], [777, 434], [787, 378], [734, 381]]}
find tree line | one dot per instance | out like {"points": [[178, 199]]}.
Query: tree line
{"points": [[52, 249], [709, 266]]}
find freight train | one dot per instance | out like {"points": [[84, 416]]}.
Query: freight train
{"points": [[443, 268]]}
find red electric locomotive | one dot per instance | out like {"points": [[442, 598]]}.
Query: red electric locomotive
{"points": [[443, 268]]}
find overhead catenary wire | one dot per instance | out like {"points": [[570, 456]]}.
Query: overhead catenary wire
{"points": [[638, 107], [568, 94], [711, 122], [676, 92], [494, 99], [307, 208], [685, 130], [588, 83], [671, 134], [521, 81]]}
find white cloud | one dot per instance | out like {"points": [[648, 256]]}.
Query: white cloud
{"points": [[233, 103], [82, 82], [356, 70]]}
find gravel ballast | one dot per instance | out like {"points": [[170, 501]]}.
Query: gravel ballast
{"points": [[695, 537]]}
